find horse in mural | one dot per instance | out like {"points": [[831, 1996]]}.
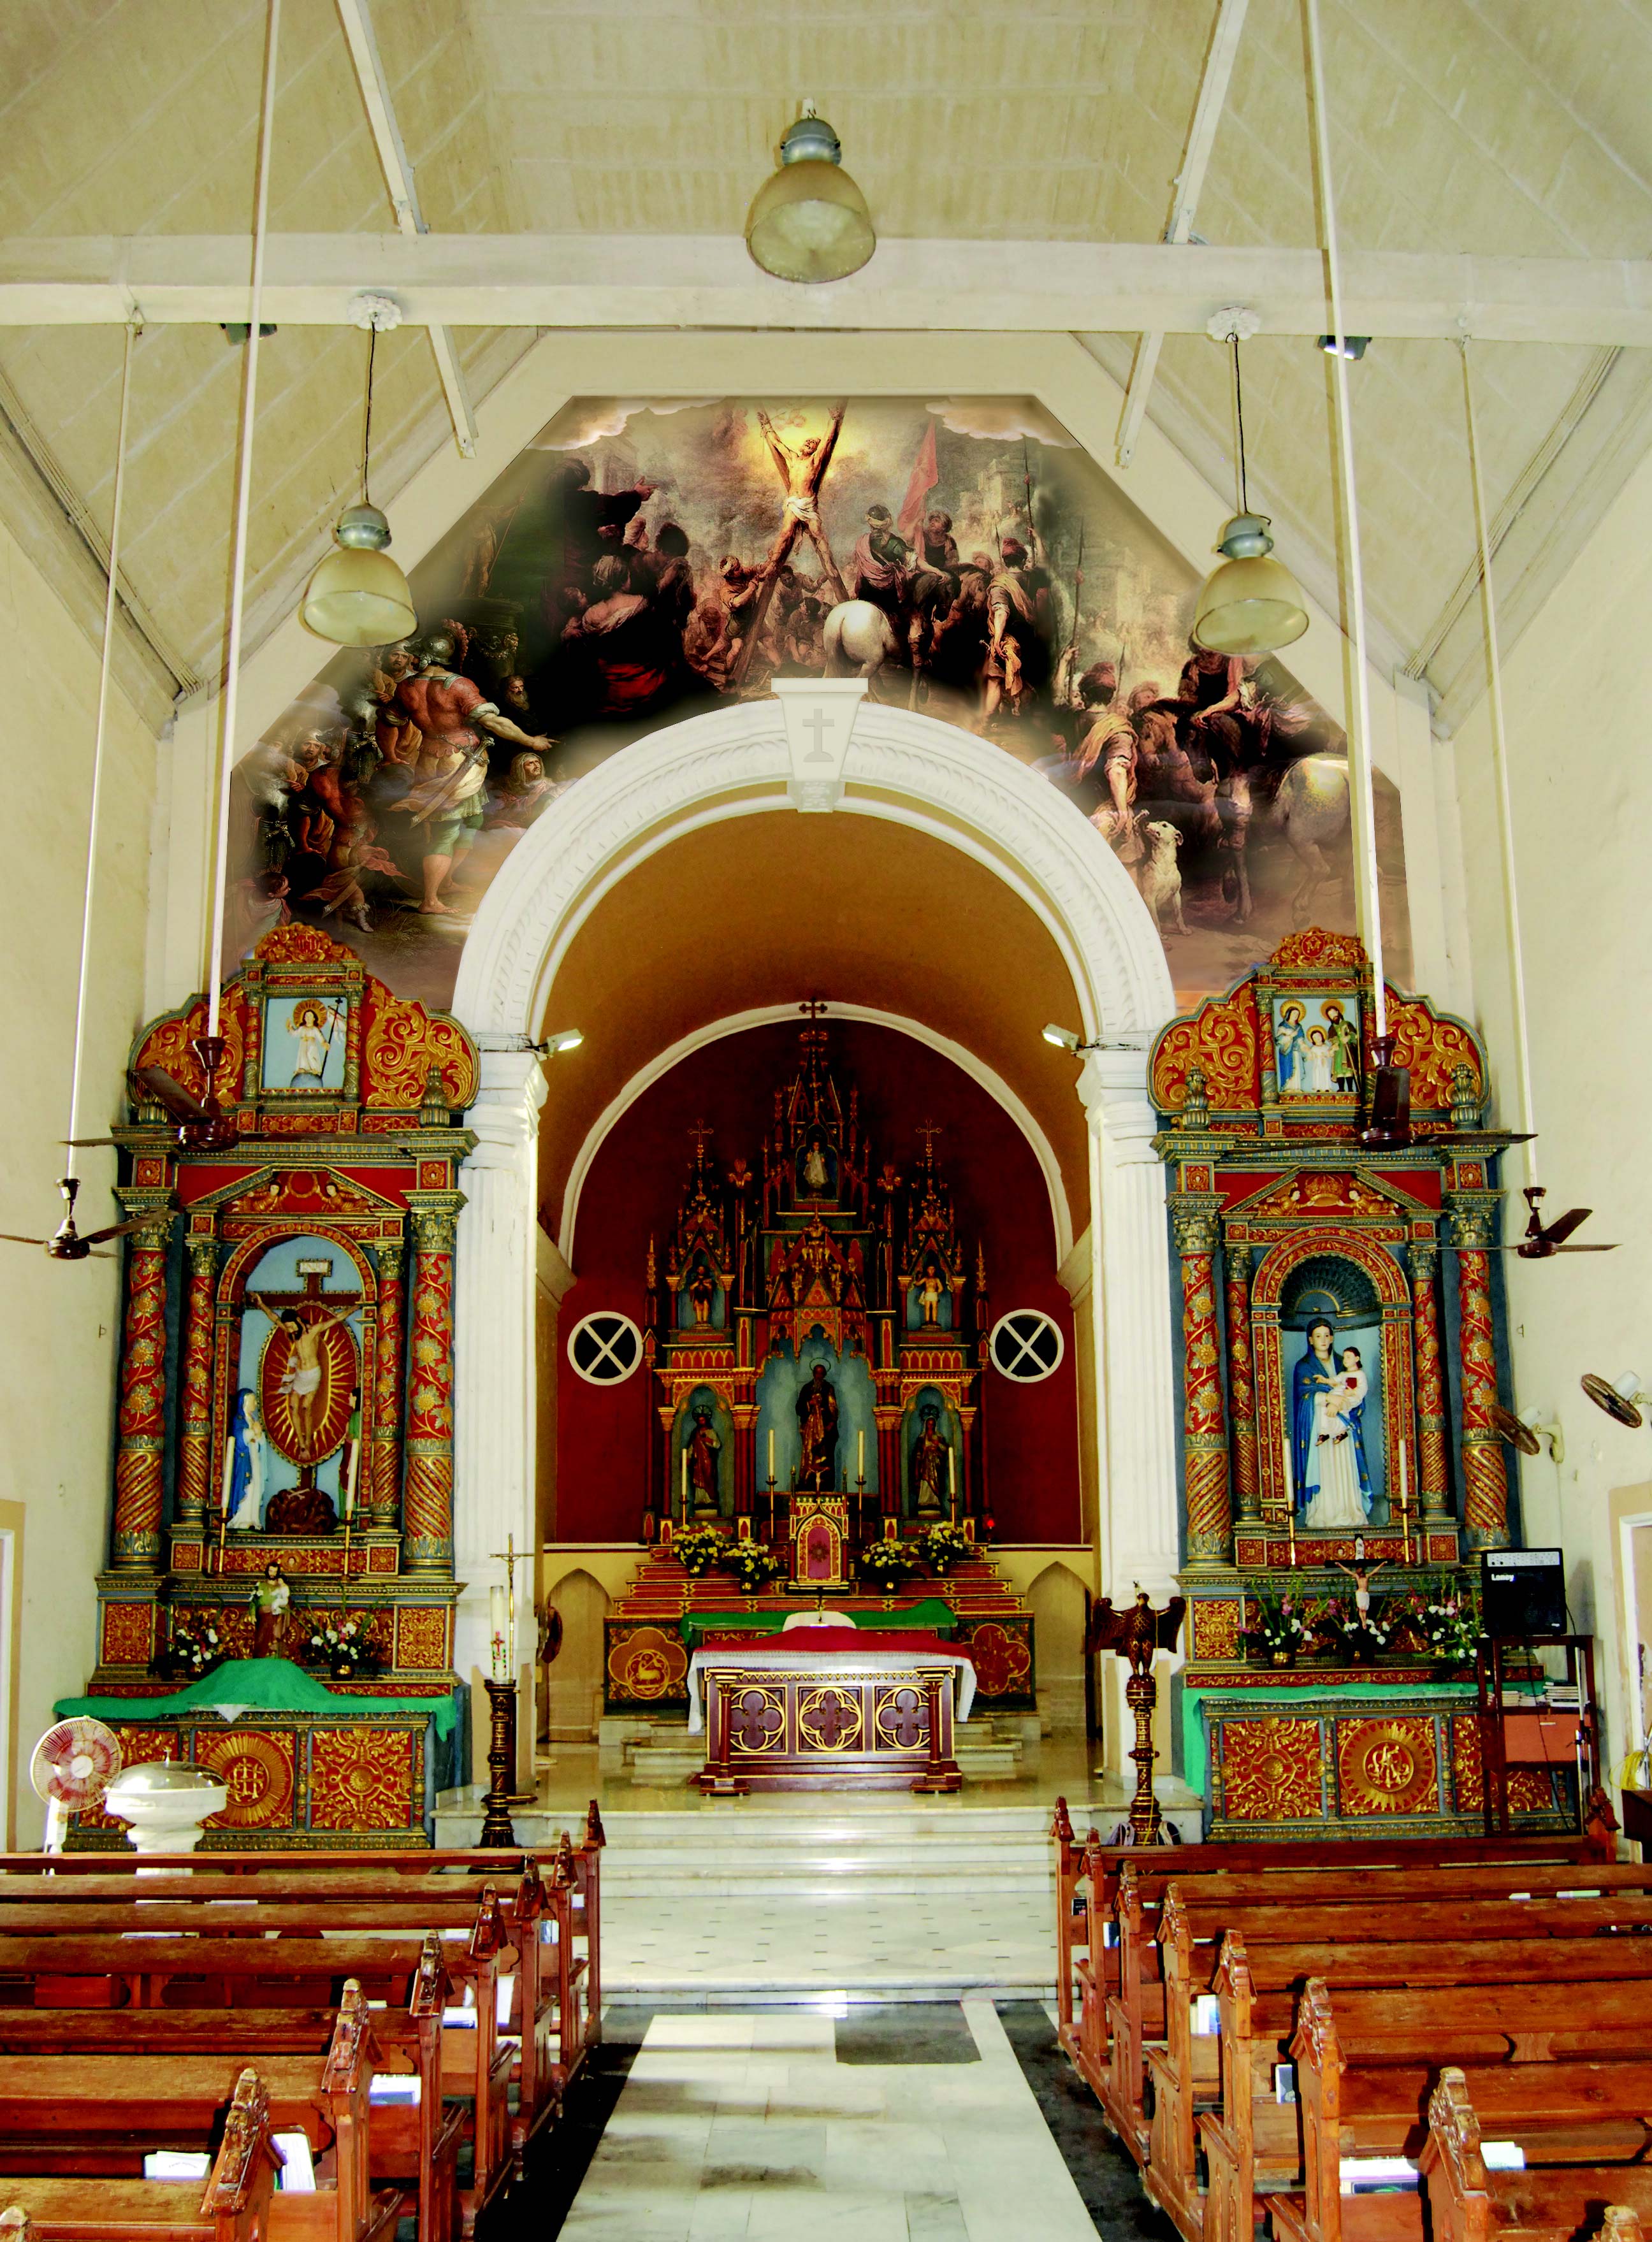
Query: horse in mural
{"points": [[1312, 811]]}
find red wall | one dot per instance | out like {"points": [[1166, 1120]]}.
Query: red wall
{"points": [[632, 1192]]}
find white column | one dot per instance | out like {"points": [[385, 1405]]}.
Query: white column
{"points": [[1135, 1401], [493, 1374], [1140, 1522]]}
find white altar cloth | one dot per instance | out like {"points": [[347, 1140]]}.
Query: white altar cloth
{"points": [[822, 1663]]}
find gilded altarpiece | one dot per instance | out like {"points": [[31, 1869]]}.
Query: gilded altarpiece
{"points": [[287, 1379], [1340, 1332]]}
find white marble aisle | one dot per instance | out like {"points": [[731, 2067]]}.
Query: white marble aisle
{"points": [[746, 2125]]}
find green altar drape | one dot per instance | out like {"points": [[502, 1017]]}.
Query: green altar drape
{"points": [[256, 1685]]}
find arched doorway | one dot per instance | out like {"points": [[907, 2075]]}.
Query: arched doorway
{"points": [[576, 919]]}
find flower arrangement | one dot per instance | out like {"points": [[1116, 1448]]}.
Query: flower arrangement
{"points": [[1358, 1636], [701, 1549], [942, 1547], [344, 1650], [754, 1566], [1449, 1627], [192, 1648], [1280, 1630], [888, 1562]]}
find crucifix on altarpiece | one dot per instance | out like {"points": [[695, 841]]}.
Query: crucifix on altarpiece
{"points": [[305, 1501]]}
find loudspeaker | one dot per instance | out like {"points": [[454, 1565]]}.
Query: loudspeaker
{"points": [[1522, 1593]]}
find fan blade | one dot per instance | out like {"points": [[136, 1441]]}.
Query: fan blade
{"points": [[1587, 1249], [11, 1237], [84, 1144], [1564, 1225], [160, 1088], [116, 1230]]}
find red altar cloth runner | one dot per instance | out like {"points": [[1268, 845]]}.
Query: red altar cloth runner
{"points": [[848, 1638]]}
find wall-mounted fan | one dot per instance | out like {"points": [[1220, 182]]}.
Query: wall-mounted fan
{"points": [[74, 1763], [1542, 1239], [66, 1243], [1621, 1397], [203, 1125], [1527, 1432]]}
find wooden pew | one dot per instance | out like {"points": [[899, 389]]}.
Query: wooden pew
{"points": [[1363, 2078], [1422, 1940], [157, 1993], [75, 2115], [238, 2204], [1115, 2032], [1091, 1972], [1468, 2202]]}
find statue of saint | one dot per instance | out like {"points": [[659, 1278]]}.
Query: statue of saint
{"points": [[244, 1460], [271, 1599], [704, 1447], [817, 1425], [815, 1178], [929, 1466], [930, 1289]]}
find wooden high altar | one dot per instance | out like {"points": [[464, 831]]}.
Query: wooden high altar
{"points": [[1341, 1339], [817, 1338], [286, 1388]]}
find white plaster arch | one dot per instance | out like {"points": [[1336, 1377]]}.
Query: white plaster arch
{"points": [[765, 1016], [735, 761], [934, 779]]}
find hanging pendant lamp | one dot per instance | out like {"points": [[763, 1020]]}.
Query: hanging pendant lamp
{"points": [[357, 595], [1252, 603], [810, 221]]}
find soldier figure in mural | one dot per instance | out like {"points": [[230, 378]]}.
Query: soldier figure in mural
{"points": [[928, 1465], [704, 1447], [817, 1424]]}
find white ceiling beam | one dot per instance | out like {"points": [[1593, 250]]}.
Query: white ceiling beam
{"points": [[709, 281], [1190, 183], [404, 199]]}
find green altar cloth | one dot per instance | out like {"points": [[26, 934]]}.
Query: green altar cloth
{"points": [[256, 1685], [1195, 1738], [931, 1614]]}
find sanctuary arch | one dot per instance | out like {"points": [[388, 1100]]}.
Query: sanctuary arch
{"points": [[818, 750]]}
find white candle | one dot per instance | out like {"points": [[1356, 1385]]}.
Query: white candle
{"points": [[685, 1478], [1284, 1457], [860, 1451], [952, 1470], [771, 1455]]}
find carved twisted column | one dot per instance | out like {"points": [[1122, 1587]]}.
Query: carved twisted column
{"points": [[1210, 1508], [1241, 1386], [1484, 1470], [427, 1503], [195, 1432], [386, 1387], [141, 1422], [1432, 1474]]}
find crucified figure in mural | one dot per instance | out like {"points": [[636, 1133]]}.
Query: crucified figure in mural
{"points": [[802, 471]]}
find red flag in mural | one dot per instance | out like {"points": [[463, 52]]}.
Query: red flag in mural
{"points": [[925, 475]]}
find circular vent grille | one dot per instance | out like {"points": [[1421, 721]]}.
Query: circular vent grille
{"points": [[1026, 1345], [605, 1348]]}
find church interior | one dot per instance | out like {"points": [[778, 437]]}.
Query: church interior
{"points": [[864, 1412]]}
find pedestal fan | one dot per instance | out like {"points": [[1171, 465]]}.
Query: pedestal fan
{"points": [[74, 1763]]}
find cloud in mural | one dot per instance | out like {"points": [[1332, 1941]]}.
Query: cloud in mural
{"points": [[592, 419], [1001, 418]]}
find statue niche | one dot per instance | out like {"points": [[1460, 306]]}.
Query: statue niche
{"points": [[703, 1490], [817, 1431]]}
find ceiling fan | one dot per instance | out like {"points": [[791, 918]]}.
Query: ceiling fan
{"points": [[203, 1125], [66, 1243], [1542, 1238]]}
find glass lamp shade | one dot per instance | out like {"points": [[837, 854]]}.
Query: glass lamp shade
{"points": [[1251, 603], [357, 595], [810, 221]]}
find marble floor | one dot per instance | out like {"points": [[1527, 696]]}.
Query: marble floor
{"points": [[890, 2125]]}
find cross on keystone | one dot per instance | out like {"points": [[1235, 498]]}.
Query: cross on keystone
{"points": [[814, 1009], [907, 1721], [817, 725], [755, 1721]]}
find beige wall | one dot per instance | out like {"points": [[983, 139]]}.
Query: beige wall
{"points": [[56, 1399], [1576, 688]]}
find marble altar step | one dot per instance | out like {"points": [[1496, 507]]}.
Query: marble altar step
{"points": [[666, 1754]]}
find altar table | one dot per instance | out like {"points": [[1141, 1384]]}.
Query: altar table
{"points": [[853, 1710]]}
